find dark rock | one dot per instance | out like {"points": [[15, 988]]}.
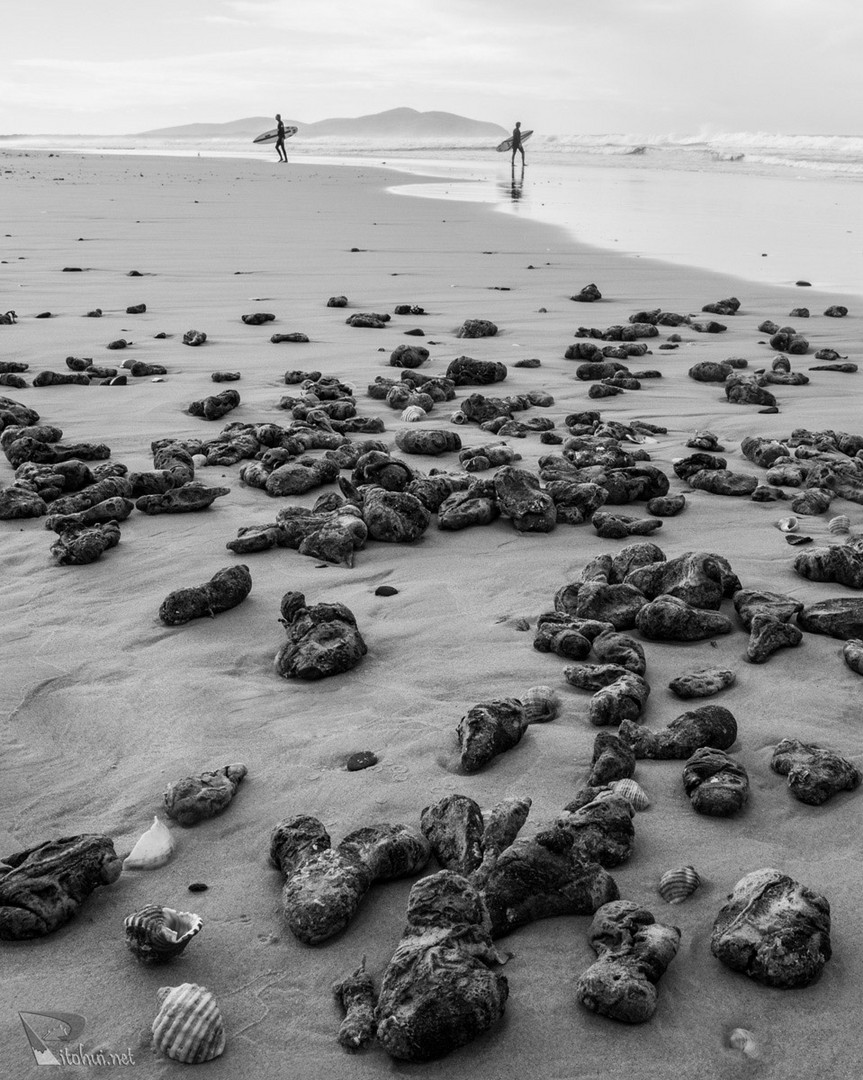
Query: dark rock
{"points": [[612, 760], [258, 318], [716, 784], [521, 499], [723, 482], [666, 505], [465, 371], [702, 683], [323, 639], [226, 589], [623, 699], [814, 773], [708, 725], [363, 759], [668, 618], [489, 729], [475, 328], [842, 563], [194, 338], [774, 930], [836, 311], [408, 356]]}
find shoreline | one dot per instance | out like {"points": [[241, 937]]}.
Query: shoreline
{"points": [[751, 226], [103, 706]]}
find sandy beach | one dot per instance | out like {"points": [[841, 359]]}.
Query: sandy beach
{"points": [[103, 706]]}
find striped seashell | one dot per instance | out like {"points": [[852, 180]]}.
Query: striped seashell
{"points": [[156, 934], [188, 1026], [678, 884], [787, 525], [541, 704], [458, 417], [153, 849], [839, 524], [632, 791], [745, 1041], [413, 413]]}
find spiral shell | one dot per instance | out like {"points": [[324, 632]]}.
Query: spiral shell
{"points": [[781, 363], [743, 1040], [413, 413], [632, 791], [152, 850], [788, 524], [156, 934], [458, 417], [678, 884], [541, 704], [188, 1026], [839, 524]]}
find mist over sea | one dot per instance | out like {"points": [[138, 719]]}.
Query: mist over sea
{"points": [[765, 207]]}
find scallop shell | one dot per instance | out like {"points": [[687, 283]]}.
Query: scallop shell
{"points": [[632, 791], [458, 417], [839, 524], [787, 525], [413, 413], [741, 1039], [541, 704], [678, 884], [156, 934], [153, 849], [188, 1026]]}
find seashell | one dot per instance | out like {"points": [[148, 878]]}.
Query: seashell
{"points": [[632, 791], [541, 704], [188, 1026], [458, 417], [787, 525], [679, 884], [413, 413], [743, 1040], [153, 849], [156, 934], [839, 524]]}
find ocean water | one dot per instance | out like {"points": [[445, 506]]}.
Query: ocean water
{"points": [[764, 207]]}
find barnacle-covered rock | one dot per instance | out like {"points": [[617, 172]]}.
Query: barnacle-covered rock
{"points": [[613, 647], [431, 441], [465, 371], [20, 502], [462, 509], [394, 517], [593, 677], [705, 682], [215, 406], [839, 617], [748, 603], [43, 887], [188, 1026], [602, 829], [474, 328], [708, 725], [332, 535], [717, 784], [181, 500], [814, 773], [842, 563], [612, 760], [767, 634], [617, 526], [543, 876], [488, 729], [196, 798], [633, 952], [666, 505], [323, 639], [77, 545], [454, 827], [520, 498], [812, 501], [440, 989], [623, 699], [668, 618], [157, 934], [774, 930], [226, 589], [598, 600], [561, 634], [744, 390], [700, 578], [723, 482]]}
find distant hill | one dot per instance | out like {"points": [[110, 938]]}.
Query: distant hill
{"points": [[395, 123]]}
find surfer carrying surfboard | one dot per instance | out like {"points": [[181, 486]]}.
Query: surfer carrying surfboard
{"points": [[517, 143], [280, 140]]}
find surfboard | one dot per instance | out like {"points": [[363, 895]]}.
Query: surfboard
{"points": [[273, 134], [507, 143]]}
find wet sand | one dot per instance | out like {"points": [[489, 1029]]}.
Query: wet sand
{"points": [[103, 706]]}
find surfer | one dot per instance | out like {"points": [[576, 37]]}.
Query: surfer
{"points": [[516, 142], [280, 140]]}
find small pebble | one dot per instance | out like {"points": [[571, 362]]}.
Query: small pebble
{"points": [[385, 590], [198, 886], [362, 760]]}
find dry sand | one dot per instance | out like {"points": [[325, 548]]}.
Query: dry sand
{"points": [[103, 706]]}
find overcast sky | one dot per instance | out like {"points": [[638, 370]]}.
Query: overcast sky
{"points": [[560, 66]]}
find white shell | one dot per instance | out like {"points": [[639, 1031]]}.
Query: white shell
{"points": [[839, 524], [413, 413], [679, 884], [741, 1039], [188, 1026], [154, 848], [156, 934], [541, 704], [787, 525], [632, 791], [458, 417]]}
